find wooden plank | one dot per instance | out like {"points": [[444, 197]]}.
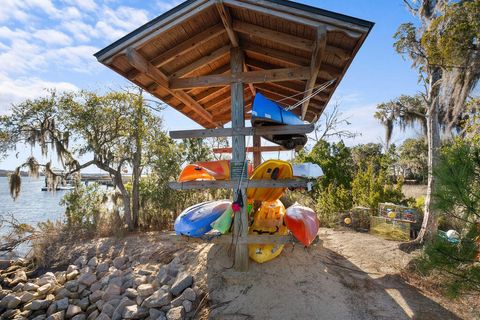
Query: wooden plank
{"points": [[240, 223], [227, 22], [285, 74], [273, 35], [277, 55], [252, 149], [226, 117], [316, 61], [197, 64], [229, 184], [248, 131], [188, 45], [257, 151], [141, 64]]}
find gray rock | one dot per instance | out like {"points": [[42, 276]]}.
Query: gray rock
{"points": [[96, 286], [119, 262], [134, 312], [131, 293], [39, 317], [187, 305], [118, 280], [163, 276], [140, 280], [84, 303], [145, 290], [63, 293], [108, 309], [11, 314], [87, 279], [71, 285], [93, 315], [158, 299], [73, 310], [62, 304], [80, 316], [178, 301], [103, 316], [60, 315], [189, 294], [27, 297], [91, 308], [18, 287], [177, 313], [112, 290], [81, 288], [125, 302], [156, 314], [92, 262], [37, 305], [10, 301], [96, 295], [52, 309], [81, 261], [29, 286], [144, 272], [184, 280], [102, 267]]}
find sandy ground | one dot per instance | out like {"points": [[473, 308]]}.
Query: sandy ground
{"points": [[345, 276]]}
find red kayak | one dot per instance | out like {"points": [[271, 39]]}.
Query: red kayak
{"points": [[303, 223]]}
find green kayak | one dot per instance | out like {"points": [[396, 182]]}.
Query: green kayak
{"points": [[224, 222]]}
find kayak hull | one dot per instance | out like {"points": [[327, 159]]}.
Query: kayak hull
{"points": [[196, 220], [268, 113], [224, 222], [193, 172], [303, 223], [274, 170], [267, 220]]}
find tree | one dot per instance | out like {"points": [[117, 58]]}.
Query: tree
{"points": [[444, 49], [83, 124], [413, 158]]}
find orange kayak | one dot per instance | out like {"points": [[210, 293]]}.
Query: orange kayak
{"points": [[220, 168], [303, 223], [193, 172]]}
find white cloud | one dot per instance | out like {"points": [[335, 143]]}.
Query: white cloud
{"points": [[52, 37], [11, 10], [8, 34], [78, 58], [21, 56], [115, 23], [16, 90], [167, 5], [88, 5], [80, 30]]}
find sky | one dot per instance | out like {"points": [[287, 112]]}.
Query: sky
{"points": [[47, 44]]}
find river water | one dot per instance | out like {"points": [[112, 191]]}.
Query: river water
{"points": [[32, 206]]}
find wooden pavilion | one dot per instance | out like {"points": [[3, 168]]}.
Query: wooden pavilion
{"points": [[208, 58]]}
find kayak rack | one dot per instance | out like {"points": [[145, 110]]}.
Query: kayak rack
{"points": [[247, 184]]}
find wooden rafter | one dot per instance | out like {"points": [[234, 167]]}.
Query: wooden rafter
{"points": [[316, 61], [197, 64], [143, 65], [285, 74], [188, 45]]}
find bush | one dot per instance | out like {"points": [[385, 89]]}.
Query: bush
{"points": [[331, 202]]}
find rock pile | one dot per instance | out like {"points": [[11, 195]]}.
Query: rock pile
{"points": [[109, 289]]}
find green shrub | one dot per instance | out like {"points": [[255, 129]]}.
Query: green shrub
{"points": [[331, 202]]}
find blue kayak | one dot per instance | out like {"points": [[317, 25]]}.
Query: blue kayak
{"points": [[265, 112], [196, 220]]}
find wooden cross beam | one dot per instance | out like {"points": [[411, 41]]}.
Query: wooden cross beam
{"points": [[143, 65], [197, 64], [316, 61], [301, 73], [252, 149]]}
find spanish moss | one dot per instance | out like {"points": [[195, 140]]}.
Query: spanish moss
{"points": [[15, 183]]}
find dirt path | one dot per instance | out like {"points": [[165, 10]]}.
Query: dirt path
{"points": [[346, 276]]}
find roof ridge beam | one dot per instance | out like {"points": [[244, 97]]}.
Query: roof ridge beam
{"points": [[316, 61], [144, 66]]}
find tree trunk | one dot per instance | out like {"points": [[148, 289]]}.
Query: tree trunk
{"points": [[429, 224], [126, 200], [136, 164]]}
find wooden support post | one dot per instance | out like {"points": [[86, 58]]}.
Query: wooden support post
{"points": [[240, 229], [257, 154]]}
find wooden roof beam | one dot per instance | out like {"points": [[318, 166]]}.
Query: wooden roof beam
{"points": [[188, 45], [144, 66], [285, 74], [197, 64], [316, 61], [276, 55]]}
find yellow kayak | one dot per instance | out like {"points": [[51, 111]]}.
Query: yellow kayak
{"points": [[267, 220], [274, 170]]}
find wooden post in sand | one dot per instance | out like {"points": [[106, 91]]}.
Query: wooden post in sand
{"points": [[237, 167]]}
